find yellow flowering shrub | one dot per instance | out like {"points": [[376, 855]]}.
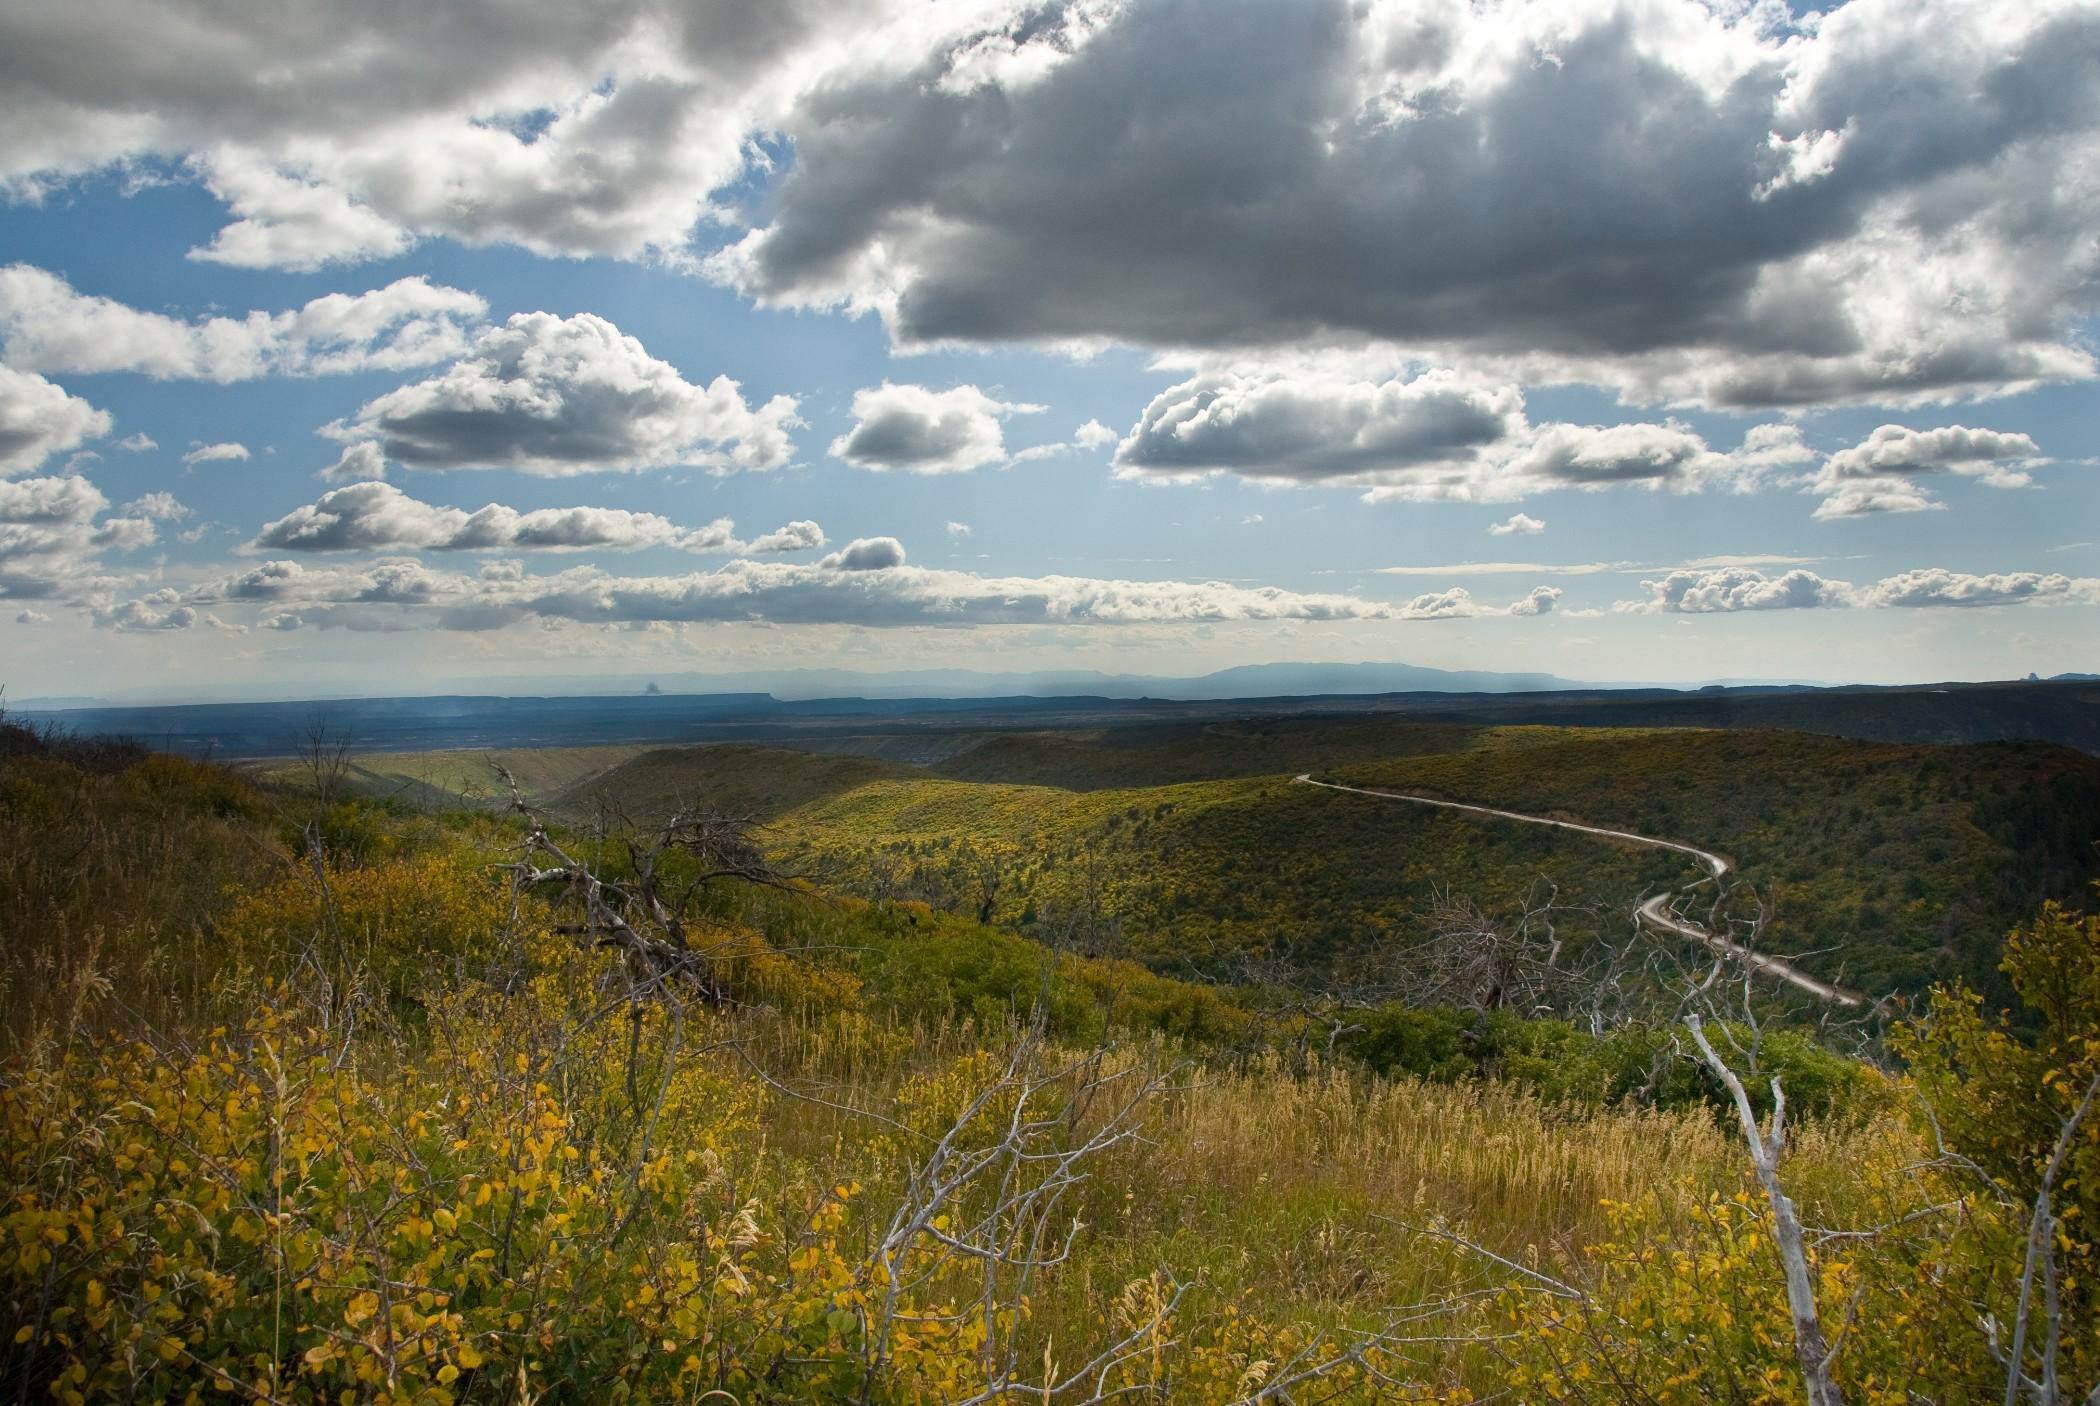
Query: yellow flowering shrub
{"points": [[2005, 1089], [404, 921], [1687, 1304]]}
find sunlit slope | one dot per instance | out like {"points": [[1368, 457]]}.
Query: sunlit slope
{"points": [[727, 779], [1208, 873]]}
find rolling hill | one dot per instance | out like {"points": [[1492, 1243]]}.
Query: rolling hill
{"points": [[1886, 865]]}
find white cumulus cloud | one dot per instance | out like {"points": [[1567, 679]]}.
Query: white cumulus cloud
{"points": [[224, 452], [1542, 600], [558, 396], [1880, 474], [45, 325], [54, 530], [913, 429], [801, 535], [378, 517], [868, 583], [39, 419], [1697, 592], [1285, 425]]}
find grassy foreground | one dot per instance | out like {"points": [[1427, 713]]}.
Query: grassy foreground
{"points": [[306, 1104]]}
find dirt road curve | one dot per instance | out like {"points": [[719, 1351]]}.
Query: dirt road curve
{"points": [[1655, 912]]}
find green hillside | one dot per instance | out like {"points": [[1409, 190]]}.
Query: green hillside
{"points": [[727, 779], [1889, 866], [1901, 862], [1202, 872]]}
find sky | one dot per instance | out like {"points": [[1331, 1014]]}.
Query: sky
{"points": [[370, 348]]}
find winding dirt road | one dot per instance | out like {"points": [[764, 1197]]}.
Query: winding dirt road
{"points": [[1654, 913]]}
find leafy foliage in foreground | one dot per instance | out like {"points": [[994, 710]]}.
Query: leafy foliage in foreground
{"points": [[2006, 1098]]}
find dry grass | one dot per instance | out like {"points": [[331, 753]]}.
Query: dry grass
{"points": [[1293, 1196], [120, 877]]}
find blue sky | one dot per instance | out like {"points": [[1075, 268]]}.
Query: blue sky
{"points": [[1137, 336]]}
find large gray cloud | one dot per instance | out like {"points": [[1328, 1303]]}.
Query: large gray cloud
{"points": [[375, 516], [340, 132], [39, 419], [558, 396], [45, 325], [917, 430], [1880, 473], [1691, 202], [1695, 203]]}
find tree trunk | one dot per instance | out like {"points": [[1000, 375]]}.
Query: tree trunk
{"points": [[1810, 1347]]}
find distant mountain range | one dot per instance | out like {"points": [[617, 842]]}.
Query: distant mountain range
{"points": [[1285, 680], [2065, 711], [1244, 681]]}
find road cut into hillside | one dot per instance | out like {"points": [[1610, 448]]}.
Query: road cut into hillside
{"points": [[1654, 913]]}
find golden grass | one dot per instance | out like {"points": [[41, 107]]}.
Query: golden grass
{"points": [[119, 878]]}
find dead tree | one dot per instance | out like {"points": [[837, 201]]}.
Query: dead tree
{"points": [[1309, 1003], [990, 876], [885, 879], [2045, 1386], [1767, 1145], [985, 1203], [983, 1216], [325, 753], [1478, 962], [650, 926], [1085, 924]]}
